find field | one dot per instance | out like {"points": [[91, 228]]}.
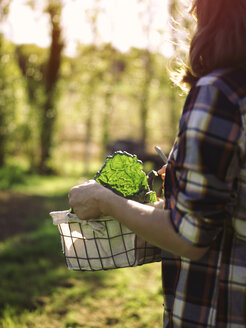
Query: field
{"points": [[36, 288]]}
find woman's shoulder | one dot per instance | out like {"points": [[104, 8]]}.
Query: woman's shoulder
{"points": [[231, 82]]}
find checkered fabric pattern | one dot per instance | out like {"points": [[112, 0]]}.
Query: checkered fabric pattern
{"points": [[205, 189]]}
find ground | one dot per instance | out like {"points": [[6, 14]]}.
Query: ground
{"points": [[37, 289], [15, 209]]}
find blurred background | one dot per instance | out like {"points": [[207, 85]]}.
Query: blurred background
{"points": [[79, 79]]}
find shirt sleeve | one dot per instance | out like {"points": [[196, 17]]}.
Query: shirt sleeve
{"points": [[203, 165]]}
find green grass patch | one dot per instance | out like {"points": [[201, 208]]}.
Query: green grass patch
{"points": [[11, 175], [36, 288], [46, 185]]}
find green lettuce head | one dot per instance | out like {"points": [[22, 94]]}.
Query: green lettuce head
{"points": [[123, 174]]}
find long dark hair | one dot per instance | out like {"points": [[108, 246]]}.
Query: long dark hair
{"points": [[220, 37]]}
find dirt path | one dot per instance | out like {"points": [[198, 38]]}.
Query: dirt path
{"points": [[16, 210]]}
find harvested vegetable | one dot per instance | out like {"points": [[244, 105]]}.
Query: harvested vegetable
{"points": [[123, 174]]}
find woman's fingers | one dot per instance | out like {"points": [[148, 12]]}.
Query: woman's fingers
{"points": [[162, 171], [83, 200]]}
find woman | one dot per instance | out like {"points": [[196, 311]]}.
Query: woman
{"points": [[202, 229]]}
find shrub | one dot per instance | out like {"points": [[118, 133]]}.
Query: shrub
{"points": [[11, 175]]}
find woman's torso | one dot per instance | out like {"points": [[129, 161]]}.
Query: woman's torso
{"points": [[211, 292]]}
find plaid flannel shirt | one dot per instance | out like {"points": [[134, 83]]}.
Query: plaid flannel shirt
{"points": [[205, 188]]}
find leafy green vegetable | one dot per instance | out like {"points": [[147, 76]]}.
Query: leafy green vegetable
{"points": [[123, 174]]}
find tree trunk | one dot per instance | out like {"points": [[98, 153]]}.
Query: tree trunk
{"points": [[3, 110], [48, 113], [2, 138], [88, 135], [106, 118], [46, 134], [144, 104]]}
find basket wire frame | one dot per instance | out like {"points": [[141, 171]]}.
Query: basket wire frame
{"points": [[115, 247]]}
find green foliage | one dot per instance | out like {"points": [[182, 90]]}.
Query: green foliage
{"points": [[44, 77], [99, 83], [10, 176], [123, 173], [32, 60], [100, 92], [11, 89]]}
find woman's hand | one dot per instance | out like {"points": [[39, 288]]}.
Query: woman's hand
{"points": [[85, 199], [162, 172], [91, 200], [159, 204]]}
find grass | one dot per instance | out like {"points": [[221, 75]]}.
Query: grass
{"points": [[37, 290]]}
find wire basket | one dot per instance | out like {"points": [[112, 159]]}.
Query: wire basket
{"points": [[101, 244]]}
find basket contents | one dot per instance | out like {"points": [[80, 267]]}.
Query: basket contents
{"points": [[103, 243], [123, 173]]}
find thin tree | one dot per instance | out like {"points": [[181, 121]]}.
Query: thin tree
{"points": [[43, 92], [48, 109], [146, 17], [92, 17], [115, 67], [4, 7]]}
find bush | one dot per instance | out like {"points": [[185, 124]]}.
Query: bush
{"points": [[11, 175]]}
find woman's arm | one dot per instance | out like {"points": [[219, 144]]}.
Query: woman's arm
{"points": [[151, 223]]}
